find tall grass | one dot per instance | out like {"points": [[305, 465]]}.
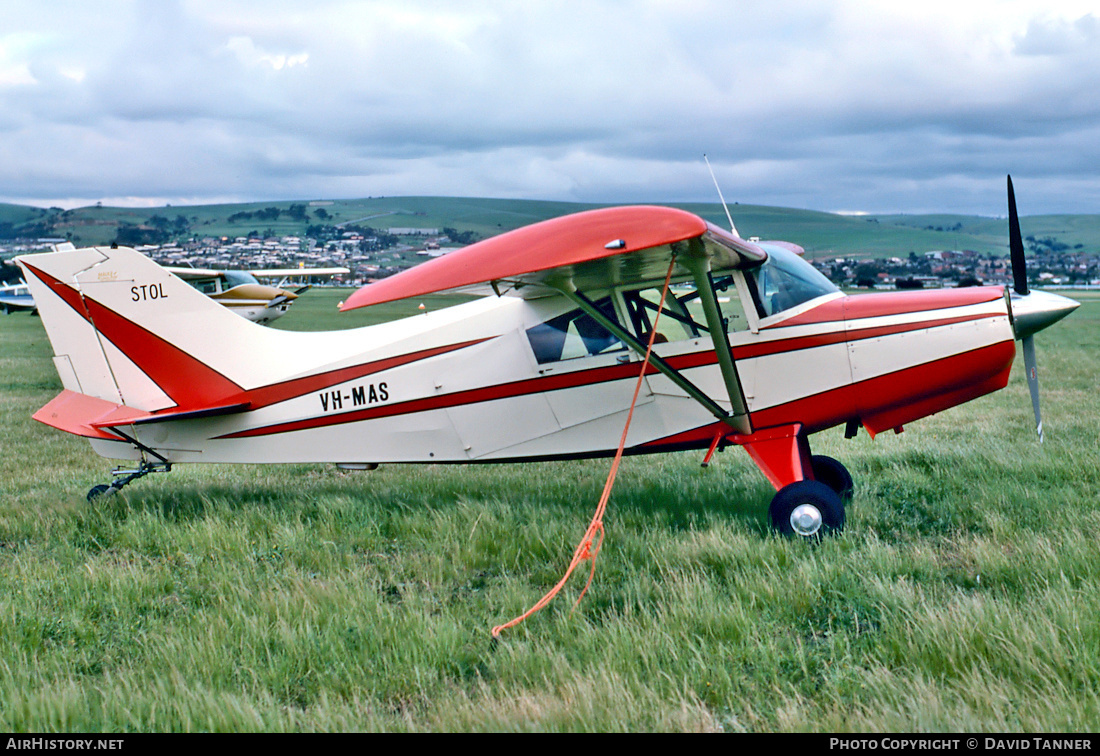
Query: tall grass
{"points": [[963, 595]]}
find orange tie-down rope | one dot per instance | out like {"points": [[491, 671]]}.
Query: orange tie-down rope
{"points": [[589, 547]]}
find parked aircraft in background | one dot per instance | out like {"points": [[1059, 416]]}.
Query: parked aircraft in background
{"points": [[242, 292], [16, 297], [754, 348]]}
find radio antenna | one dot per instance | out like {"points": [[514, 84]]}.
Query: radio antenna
{"points": [[729, 217]]}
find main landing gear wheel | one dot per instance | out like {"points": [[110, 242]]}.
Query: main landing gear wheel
{"points": [[807, 509], [835, 475]]}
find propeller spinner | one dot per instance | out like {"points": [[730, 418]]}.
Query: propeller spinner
{"points": [[1031, 311]]}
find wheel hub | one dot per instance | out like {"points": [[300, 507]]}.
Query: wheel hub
{"points": [[806, 520]]}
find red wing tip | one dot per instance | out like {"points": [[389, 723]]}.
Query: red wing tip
{"points": [[349, 303]]}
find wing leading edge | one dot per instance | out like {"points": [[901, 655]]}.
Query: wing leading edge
{"points": [[595, 249]]}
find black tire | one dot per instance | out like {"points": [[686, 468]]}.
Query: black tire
{"points": [[98, 492], [835, 475], [824, 513]]}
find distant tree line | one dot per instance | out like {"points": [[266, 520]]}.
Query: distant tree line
{"points": [[129, 235], [180, 225], [296, 212], [461, 237], [1049, 244]]}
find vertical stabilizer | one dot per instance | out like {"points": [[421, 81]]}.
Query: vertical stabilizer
{"points": [[129, 332]]}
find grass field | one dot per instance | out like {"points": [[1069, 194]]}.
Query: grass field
{"points": [[963, 596]]}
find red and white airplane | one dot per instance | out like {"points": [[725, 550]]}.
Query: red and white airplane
{"points": [[544, 367]]}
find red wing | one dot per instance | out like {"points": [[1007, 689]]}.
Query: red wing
{"points": [[596, 249]]}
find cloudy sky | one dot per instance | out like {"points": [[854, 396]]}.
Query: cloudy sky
{"points": [[842, 106]]}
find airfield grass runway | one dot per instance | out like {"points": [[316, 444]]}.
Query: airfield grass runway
{"points": [[963, 596]]}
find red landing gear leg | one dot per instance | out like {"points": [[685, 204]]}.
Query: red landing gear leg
{"points": [[810, 491], [713, 445]]}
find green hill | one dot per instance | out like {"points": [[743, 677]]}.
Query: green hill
{"points": [[822, 234]]}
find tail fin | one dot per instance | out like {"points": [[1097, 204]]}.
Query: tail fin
{"points": [[128, 332]]}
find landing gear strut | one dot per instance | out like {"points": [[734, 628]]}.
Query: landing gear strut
{"points": [[125, 477], [812, 489]]}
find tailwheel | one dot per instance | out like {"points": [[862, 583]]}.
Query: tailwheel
{"points": [[835, 475], [807, 509], [124, 478], [98, 492]]}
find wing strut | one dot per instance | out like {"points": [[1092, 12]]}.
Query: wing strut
{"points": [[739, 423], [700, 271]]}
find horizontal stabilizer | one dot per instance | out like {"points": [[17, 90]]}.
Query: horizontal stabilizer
{"points": [[88, 416], [83, 415]]}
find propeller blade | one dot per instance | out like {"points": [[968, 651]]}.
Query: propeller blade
{"points": [[1016, 245], [1031, 366]]}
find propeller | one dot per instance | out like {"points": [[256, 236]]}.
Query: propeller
{"points": [[1031, 311], [281, 298], [287, 296], [1019, 284]]}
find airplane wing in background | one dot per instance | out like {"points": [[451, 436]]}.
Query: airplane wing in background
{"points": [[16, 297], [193, 274], [299, 272]]}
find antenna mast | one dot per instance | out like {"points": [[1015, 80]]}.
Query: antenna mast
{"points": [[724, 205]]}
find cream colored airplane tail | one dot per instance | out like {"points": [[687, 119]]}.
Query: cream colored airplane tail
{"points": [[128, 332]]}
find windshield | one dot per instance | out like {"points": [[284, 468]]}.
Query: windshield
{"points": [[238, 277], [785, 280]]}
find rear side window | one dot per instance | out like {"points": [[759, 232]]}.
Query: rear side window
{"points": [[574, 334]]}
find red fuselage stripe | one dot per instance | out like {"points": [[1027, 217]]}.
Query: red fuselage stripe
{"points": [[862, 306], [292, 389], [910, 386], [591, 377], [836, 337]]}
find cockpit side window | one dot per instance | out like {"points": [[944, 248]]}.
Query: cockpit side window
{"points": [[205, 285], [675, 323], [574, 334], [682, 315], [784, 281]]}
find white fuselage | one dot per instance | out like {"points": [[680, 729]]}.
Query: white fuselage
{"points": [[491, 380], [487, 398]]}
